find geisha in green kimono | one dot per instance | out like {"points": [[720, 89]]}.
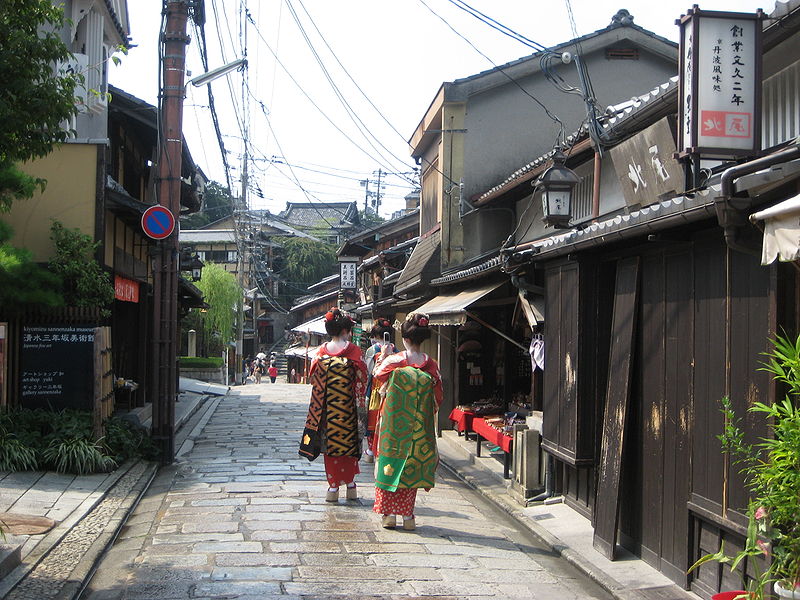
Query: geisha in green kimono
{"points": [[406, 446]]}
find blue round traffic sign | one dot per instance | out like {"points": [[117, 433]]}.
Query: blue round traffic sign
{"points": [[158, 222]]}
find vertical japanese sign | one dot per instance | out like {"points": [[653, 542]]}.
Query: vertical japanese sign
{"points": [[720, 83], [347, 275], [57, 367]]}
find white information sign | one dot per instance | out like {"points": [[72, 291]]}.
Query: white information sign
{"points": [[347, 275], [721, 83]]}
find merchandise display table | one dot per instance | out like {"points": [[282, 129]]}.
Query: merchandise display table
{"points": [[462, 419], [484, 431]]}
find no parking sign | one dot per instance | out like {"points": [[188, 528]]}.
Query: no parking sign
{"points": [[158, 222]]}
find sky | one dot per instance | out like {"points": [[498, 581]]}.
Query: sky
{"points": [[334, 90]]}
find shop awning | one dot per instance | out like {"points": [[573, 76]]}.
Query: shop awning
{"points": [[533, 309], [781, 231], [301, 351], [450, 309], [313, 326], [422, 265]]}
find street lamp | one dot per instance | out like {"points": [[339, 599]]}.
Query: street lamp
{"points": [[218, 72], [556, 185]]}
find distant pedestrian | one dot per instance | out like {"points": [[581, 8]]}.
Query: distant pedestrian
{"points": [[380, 335], [272, 372], [293, 376], [338, 376], [411, 387], [246, 369], [258, 370]]}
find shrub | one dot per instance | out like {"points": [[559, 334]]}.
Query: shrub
{"points": [[14, 454], [200, 362], [77, 455]]}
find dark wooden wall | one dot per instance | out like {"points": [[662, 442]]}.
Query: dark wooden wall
{"points": [[705, 317]]}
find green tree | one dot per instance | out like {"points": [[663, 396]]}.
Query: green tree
{"points": [[369, 219], [217, 204], [223, 295], [307, 261], [23, 283], [35, 99], [84, 281]]}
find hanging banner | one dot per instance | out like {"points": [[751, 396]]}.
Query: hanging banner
{"points": [[720, 83]]}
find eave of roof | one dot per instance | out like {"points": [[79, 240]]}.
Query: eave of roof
{"points": [[484, 268]]}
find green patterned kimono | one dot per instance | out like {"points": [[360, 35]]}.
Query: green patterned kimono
{"points": [[407, 456]]}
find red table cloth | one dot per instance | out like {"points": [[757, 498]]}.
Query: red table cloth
{"points": [[492, 435], [462, 419]]}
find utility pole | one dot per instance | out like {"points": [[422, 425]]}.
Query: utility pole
{"points": [[365, 184], [378, 193], [239, 354], [165, 268]]}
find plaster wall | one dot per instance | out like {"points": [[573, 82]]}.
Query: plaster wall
{"points": [[507, 129], [70, 197]]}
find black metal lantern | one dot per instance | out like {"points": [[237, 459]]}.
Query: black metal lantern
{"points": [[556, 185], [197, 268]]}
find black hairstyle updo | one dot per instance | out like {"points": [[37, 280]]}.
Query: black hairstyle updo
{"points": [[416, 328], [336, 322], [381, 326]]}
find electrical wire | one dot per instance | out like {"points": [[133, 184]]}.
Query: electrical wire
{"points": [[500, 69], [371, 139], [505, 30]]}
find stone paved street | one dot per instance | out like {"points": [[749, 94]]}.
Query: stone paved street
{"points": [[242, 516]]}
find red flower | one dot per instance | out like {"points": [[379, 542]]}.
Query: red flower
{"points": [[329, 316], [422, 322]]}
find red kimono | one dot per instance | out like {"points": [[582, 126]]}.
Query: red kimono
{"points": [[343, 469]]}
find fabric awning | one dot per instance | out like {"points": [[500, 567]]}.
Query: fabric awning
{"points": [[313, 326], [532, 309], [781, 231], [450, 309], [301, 351]]}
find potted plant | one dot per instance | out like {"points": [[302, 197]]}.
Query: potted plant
{"points": [[772, 474]]}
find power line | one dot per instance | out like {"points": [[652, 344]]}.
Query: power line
{"points": [[499, 69], [505, 30], [308, 97], [356, 120]]}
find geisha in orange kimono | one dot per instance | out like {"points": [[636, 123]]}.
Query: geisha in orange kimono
{"points": [[406, 456], [337, 410]]}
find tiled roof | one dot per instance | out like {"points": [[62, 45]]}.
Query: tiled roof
{"points": [[493, 264], [322, 215], [652, 218]]}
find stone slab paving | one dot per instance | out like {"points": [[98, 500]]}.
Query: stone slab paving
{"points": [[241, 515]]}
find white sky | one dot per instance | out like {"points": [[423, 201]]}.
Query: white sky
{"points": [[397, 51]]}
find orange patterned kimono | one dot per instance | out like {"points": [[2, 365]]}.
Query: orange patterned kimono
{"points": [[336, 408]]}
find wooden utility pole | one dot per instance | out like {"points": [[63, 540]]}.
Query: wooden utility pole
{"points": [[166, 263]]}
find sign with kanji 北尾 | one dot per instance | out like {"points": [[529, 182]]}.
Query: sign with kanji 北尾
{"points": [[720, 83]]}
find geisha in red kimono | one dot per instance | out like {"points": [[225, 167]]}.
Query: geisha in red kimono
{"points": [[406, 456], [337, 409]]}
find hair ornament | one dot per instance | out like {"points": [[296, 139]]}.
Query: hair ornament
{"points": [[422, 321], [329, 316]]}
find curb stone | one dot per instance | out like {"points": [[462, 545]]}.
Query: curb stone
{"points": [[502, 501], [61, 562]]}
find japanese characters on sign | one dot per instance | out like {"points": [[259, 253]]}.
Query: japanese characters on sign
{"points": [[645, 165], [57, 366], [126, 290], [720, 83], [348, 275]]}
